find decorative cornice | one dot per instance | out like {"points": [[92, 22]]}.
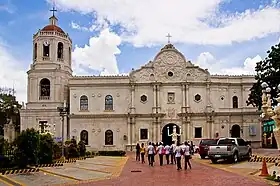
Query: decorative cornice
{"points": [[198, 83]]}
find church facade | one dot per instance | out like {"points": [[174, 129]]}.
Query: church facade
{"points": [[116, 112]]}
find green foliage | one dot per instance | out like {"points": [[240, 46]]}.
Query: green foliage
{"points": [[82, 148], [27, 148], [57, 150], [46, 149], [112, 153], [267, 71], [9, 109], [72, 149]]}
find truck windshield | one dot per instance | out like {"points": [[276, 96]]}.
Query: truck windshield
{"points": [[226, 141], [208, 142]]}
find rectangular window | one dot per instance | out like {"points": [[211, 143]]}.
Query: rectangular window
{"points": [[143, 134], [198, 132], [170, 97]]}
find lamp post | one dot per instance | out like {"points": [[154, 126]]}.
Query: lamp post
{"points": [[63, 112], [269, 112]]}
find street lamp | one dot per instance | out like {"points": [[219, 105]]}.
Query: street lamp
{"points": [[269, 112], [63, 112]]}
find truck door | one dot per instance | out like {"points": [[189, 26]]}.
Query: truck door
{"points": [[242, 147]]}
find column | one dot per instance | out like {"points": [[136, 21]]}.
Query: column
{"points": [[183, 98], [187, 98], [128, 131], [65, 127], [133, 139], [158, 99], [208, 94], [154, 130], [132, 109], [242, 96], [158, 130], [229, 98], [155, 99]]}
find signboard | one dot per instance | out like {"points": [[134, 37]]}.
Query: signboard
{"points": [[58, 139], [252, 130]]}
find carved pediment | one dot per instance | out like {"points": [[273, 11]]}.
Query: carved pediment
{"points": [[169, 65]]}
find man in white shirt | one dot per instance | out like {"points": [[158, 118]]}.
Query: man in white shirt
{"points": [[160, 150], [167, 152], [172, 152], [151, 152]]}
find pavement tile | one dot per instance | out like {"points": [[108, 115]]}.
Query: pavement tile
{"points": [[38, 178]]}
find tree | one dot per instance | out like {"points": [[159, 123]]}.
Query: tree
{"points": [[46, 149], [267, 70], [9, 109], [27, 148]]}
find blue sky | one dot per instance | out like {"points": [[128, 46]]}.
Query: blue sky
{"points": [[216, 34]]}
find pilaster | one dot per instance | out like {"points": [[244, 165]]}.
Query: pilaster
{"points": [[187, 98], [132, 108]]}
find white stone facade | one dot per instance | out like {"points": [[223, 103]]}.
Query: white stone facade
{"points": [[167, 90]]}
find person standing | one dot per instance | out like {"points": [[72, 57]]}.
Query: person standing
{"points": [[160, 150], [178, 154], [137, 152], [151, 151], [142, 152], [186, 149], [172, 152], [167, 152]]}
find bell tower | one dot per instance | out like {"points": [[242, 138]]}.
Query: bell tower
{"points": [[51, 68], [48, 76]]}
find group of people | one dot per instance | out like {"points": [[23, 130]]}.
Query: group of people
{"points": [[173, 153]]}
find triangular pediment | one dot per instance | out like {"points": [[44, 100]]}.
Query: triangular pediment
{"points": [[169, 65]]}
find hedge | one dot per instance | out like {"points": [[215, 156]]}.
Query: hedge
{"points": [[112, 153]]}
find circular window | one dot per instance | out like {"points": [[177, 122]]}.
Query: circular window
{"points": [[222, 98], [197, 97], [143, 98], [170, 74]]}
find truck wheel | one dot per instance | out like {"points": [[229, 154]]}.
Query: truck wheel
{"points": [[214, 161], [249, 155], [235, 158], [202, 156]]}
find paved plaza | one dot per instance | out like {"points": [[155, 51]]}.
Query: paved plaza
{"points": [[125, 171]]}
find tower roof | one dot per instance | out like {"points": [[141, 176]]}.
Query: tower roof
{"points": [[53, 23], [53, 28]]}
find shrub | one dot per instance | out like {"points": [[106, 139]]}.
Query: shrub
{"points": [[72, 149], [112, 153], [46, 149], [27, 148], [88, 153], [82, 148]]}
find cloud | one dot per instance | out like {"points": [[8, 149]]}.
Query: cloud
{"points": [[12, 74], [8, 7], [98, 55], [146, 22], [208, 61]]}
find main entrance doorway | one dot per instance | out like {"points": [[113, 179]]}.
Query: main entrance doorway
{"points": [[166, 139], [235, 131]]}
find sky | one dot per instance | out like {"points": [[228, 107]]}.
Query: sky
{"points": [[111, 37]]}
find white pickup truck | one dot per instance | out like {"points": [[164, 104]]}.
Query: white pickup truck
{"points": [[232, 149]]}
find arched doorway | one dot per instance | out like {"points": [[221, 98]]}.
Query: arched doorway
{"points": [[235, 131], [166, 139]]}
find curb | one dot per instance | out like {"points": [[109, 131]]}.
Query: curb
{"points": [[19, 171], [266, 158], [61, 175], [50, 165], [64, 161]]}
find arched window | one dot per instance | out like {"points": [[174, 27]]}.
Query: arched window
{"points": [[35, 51], [108, 102], [84, 103], [70, 52], [109, 137], [60, 50], [235, 102], [84, 136], [46, 49], [45, 89]]}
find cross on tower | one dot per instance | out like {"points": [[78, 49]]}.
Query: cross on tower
{"points": [[53, 10], [168, 36]]}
